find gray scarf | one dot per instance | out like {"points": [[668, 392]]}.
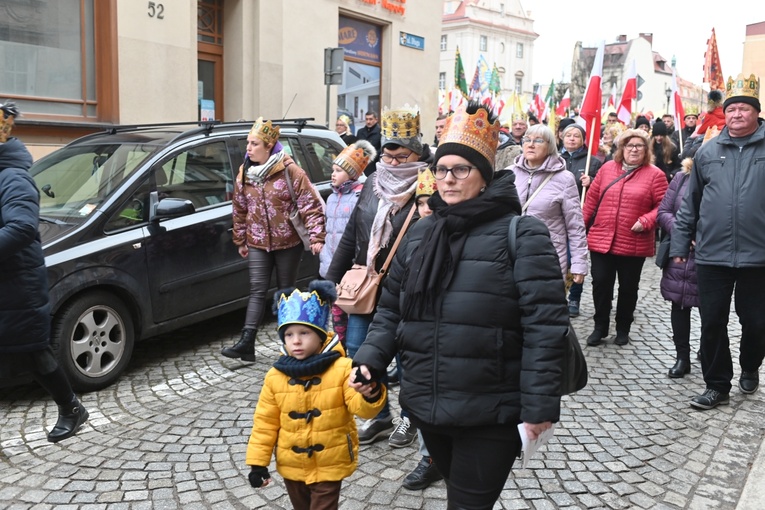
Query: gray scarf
{"points": [[394, 186], [258, 173]]}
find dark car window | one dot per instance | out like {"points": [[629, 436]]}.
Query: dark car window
{"points": [[325, 152], [202, 175]]}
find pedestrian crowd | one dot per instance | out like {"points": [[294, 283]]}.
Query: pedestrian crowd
{"points": [[474, 337]]}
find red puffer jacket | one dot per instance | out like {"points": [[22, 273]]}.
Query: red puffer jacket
{"points": [[635, 197]]}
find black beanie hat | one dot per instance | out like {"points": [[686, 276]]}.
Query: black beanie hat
{"points": [[642, 121], [564, 123], [753, 101], [659, 128], [484, 165]]}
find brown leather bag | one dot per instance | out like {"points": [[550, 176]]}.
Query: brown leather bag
{"points": [[359, 289]]}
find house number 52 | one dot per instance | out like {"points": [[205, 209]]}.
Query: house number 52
{"points": [[156, 10]]}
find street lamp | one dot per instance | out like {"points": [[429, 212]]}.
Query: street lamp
{"points": [[668, 92]]}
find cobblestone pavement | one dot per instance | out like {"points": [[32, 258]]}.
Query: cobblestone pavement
{"points": [[172, 433]]}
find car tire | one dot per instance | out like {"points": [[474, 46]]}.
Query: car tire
{"points": [[93, 336]]}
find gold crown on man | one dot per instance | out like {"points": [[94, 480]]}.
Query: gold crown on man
{"points": [[743, 86], [472, 130], [692, 109], [519, 117], [265, 131], [426, 183], [401, 123]]}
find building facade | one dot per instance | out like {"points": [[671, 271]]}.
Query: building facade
{"points": [[76, 66], [500, 31]]}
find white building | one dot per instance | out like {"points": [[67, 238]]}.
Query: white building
{"points": [[500, 30]]}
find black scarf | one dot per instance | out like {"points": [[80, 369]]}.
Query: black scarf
{"points": [[433, 263], [312, 365]]}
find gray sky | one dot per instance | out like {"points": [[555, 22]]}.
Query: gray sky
{"points": [[680, 28]]}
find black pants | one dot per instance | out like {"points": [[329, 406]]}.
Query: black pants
{"points": [[716, 286], [605, 269], [44, 368], [681, 331], [261, 264], [474, 461]]}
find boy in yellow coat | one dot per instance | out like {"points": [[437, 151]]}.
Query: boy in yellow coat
{"points": [[306, 408]]}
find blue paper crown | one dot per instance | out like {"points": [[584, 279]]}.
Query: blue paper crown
{"points": [[303, 308]]}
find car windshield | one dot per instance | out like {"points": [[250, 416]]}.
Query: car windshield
{"points": [[74, 181]]}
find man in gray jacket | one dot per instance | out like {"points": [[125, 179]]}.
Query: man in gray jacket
{"points": [[723, 219]]}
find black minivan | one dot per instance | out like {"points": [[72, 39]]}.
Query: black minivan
{"points": [[136, 228]]}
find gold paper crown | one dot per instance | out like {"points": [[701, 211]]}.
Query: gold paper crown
{"points": [[8, 112], [265, 131], [401, 123], [426, 183], [692, 110], [742, 86], [355, 158], [519, 116], [472, 130], [345, 120]]}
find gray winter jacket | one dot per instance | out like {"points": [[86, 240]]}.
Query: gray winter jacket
{"points": [[724, 209]]}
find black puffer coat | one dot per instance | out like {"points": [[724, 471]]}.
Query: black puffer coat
{"points": [[24, 306], [492, 352], [576, 162]]}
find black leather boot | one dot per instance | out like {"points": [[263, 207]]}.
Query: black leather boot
{"points": [[682, 367], [70, 417], [244, 349]]}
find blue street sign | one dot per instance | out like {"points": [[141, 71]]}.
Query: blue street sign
{"points": [[412, 41]]}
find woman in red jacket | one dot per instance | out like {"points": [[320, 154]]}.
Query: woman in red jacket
{"points": [[620, 213]]}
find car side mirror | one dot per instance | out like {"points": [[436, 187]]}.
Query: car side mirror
{"points": [[173, 207]]}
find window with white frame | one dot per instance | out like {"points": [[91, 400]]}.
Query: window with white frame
{"points": [[519, 50], [483, 43], [443, 42], [518, 85], [442, 81]]}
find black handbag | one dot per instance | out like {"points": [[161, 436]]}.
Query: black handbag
{"points": [[662, 252], [574, 363]]}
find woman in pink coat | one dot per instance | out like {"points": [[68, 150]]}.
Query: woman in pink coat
{"points": [[548, 192], [620, 213]]}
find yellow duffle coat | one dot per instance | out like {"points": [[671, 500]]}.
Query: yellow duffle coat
{"points": [[321, 448]]}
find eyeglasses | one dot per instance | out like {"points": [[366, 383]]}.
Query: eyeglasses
{"points": [[635, 146], [401, 158], [459, 171], [535, 141]]}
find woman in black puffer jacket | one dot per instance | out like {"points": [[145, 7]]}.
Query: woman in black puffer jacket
{"points": [[480, 336], [24, 304]]}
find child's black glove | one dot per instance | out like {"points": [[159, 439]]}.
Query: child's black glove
{"points": [[257, 475]]}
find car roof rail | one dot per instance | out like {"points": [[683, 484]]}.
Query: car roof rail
{"points": [[207, 124], [300, 123]]}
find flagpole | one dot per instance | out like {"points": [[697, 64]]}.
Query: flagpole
{"points": [[589, 158]]}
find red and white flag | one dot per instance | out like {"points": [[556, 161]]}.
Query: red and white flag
{"points": [[612, 97], [564, 105], [676, 105], [592, 105], [624, 112]]}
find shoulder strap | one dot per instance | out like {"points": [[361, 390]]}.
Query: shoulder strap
{"points": [[392, 252], [536, 192], [603, 193], [289, 184], [512, 235]]}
